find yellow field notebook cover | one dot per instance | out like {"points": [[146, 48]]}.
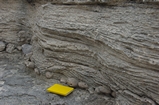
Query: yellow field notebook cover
{"points": [[60, 89]]}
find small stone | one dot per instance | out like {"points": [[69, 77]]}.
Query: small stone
{"points": [[10, 48], [82, 85], [2, 46], [72, 82], [37, 71], [48, 75], [113, 94], [103, 90], [63, 80], [26, 48], [30, 64]]}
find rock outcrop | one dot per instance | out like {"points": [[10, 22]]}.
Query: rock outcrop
{"points": [[115, 47]]}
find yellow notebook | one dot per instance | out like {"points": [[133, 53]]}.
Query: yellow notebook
{"points": [[60, 89]]}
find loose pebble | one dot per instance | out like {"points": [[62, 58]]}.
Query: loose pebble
{"points": [[26, 48], [72, 82], [82, 85], [48, 75]]}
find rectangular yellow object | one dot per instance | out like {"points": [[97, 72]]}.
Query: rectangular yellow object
{"points": [[60, 89]]}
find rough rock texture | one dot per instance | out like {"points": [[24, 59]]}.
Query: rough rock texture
{"points": [[116, 46], [100, 45]]}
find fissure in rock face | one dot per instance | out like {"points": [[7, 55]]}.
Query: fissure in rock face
{"points": [[112, 49]]}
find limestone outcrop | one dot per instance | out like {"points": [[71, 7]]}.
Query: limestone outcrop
{"points": [[103, 46], [116, 47]]}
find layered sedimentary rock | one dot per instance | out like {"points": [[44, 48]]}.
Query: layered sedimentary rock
{"points": [[116, 47], [112, 50]]}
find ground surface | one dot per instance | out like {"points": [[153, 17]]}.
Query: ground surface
{"points": [[19, 86]]}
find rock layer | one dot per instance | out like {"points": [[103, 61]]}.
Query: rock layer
{"points": [[117, 46]]}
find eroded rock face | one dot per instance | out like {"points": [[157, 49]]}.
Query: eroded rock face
{"points": [[98, 45], [117, 47]]}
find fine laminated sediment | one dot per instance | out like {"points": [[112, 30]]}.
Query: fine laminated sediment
{"points": [[117, 47]]}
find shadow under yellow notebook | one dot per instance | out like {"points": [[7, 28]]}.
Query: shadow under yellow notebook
{"points": [[60, 89]]}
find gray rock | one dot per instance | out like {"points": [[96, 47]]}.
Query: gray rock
{"points": [[103, 90], [26, 48], [48, 75], [10, 48], [2, 45], [72, 82], [82, 85]]}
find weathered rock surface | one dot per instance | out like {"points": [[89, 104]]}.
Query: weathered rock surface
{"points": [[96, 44], [117, 46]]}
